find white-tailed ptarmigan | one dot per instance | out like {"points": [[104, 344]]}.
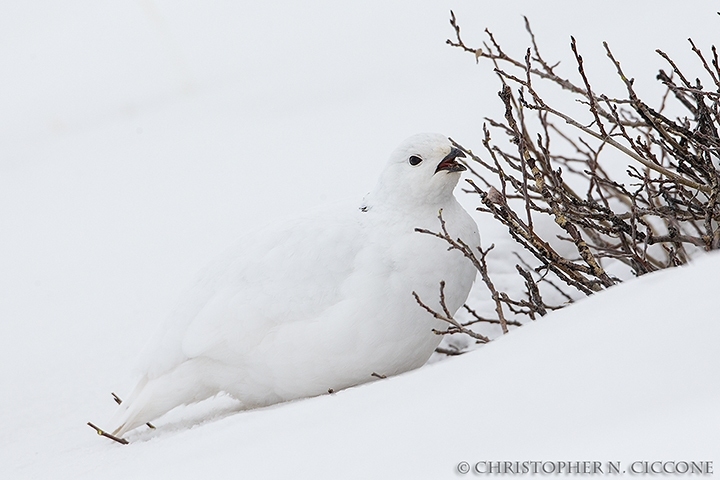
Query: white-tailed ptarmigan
{"points": [[319, 303]]}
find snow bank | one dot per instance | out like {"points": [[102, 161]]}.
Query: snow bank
{"points": [[628, 375]]}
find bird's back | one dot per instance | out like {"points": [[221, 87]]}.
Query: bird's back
{"points": [[289, 271]]}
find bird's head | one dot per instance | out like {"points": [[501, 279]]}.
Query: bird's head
{"points": [[422, 170]]}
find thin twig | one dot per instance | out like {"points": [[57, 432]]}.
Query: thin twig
{"points": [[108, 435]]}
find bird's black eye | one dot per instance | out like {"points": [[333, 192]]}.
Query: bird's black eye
{"points": [[415, 160]]}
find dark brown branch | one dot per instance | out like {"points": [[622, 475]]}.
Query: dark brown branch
{"points": [[108, 435], [666, 207], [458, 328], [479, 319]]}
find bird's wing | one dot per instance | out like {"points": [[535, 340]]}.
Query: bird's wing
{"points": [[287, 272]]}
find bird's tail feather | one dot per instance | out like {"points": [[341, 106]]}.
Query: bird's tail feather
{"points": [[154, 397]]}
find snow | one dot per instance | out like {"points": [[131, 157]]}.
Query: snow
{"points": [[622, 376], [134, 137]]}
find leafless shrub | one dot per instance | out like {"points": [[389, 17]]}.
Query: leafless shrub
{"points": [[656, 212]]}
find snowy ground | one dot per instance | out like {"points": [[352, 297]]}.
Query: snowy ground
{"points": [[140, 139]]}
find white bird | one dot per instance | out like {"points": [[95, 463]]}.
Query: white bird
{"points": [[320, 303]]}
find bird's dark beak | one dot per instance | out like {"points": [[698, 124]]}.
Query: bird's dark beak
{"points": [[449, 164]]}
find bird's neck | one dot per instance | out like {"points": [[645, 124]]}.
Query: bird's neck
{"points": [[409, 205]]}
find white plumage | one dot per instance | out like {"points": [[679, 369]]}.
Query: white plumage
{"points": [[321, 302]]}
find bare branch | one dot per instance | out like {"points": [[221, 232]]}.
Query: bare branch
{"points": [[458, 328], [658, 213]]}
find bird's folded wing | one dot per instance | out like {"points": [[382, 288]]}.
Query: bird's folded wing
{"points": [[287, 272]]}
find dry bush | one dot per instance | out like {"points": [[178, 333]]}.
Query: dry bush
{"points": [[657, 211]]}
